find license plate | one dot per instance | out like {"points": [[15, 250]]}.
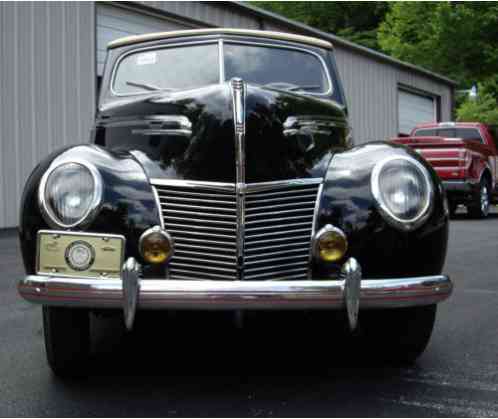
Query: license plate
{"points": [[87, 255]]}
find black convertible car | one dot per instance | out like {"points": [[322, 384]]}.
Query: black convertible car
{"points": [[222, 174]]}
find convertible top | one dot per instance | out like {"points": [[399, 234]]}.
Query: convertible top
{"points": [[135, 39]]}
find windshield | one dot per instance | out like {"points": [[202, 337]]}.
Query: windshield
{"points": [[176, 68], [463, 133], [188, 67], [283, 68]]}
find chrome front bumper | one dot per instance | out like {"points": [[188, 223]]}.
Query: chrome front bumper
{"points": [[349, 292]]}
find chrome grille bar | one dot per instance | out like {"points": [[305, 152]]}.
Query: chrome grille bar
{"points": [[205, 223]]}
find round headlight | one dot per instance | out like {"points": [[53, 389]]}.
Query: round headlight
{"points": [[69, 194], [403, 191]]}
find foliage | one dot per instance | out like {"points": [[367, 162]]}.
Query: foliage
{"points": [[484, 108], [355, 21], [457, 39], [451, 38]]}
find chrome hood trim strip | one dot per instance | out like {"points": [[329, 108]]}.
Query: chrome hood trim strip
{"points": [[238, 90]]}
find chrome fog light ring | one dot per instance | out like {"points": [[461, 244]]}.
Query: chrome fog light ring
{"points": [[91, 210], [338, 239], [386, 210], [163, 238]]}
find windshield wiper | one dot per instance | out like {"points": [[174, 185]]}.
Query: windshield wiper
{"points": [[145, 86], [310, 86], [291, 87]]}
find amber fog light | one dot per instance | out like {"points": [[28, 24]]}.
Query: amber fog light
{"points": [[330, 244], [156, 245]]}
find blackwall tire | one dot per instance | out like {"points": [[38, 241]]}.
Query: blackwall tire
{"points": [[453, 209], [67, 340], [397, 336], [480, 207]]}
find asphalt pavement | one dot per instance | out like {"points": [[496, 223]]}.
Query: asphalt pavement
{"points": [[202, 364]]}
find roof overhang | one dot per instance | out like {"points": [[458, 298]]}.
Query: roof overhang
{"points": [[136, 39]]}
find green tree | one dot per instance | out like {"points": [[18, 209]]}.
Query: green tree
{"points": [[355, 21], [484, 108], [456, 39]]}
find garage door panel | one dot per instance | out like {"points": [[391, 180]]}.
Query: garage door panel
{"points": [[414, 109]]}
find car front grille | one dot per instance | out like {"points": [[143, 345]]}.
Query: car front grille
{"points": [[202, 219]]}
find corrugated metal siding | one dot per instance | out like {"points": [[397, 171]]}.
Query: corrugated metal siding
{"points": [[47, 88], [372, 93], [116, 22], [209, 12]]}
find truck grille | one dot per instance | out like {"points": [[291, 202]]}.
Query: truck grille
{"points": [[202, 219]]}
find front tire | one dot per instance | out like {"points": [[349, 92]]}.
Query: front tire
{"points": [[397, 336], [67, 340], [480, 207]]}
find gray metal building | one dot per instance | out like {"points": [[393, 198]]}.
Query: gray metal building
{"points": [[53, 53]]}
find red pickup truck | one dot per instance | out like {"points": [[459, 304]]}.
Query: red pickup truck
{"points": [[465, 156]]}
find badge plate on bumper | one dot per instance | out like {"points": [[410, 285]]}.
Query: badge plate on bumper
{"points": [[72, 254]]}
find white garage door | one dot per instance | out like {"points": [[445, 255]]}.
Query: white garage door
{"points": [[115, 22], [414, 109]]}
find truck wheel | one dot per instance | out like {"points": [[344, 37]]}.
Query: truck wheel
{"points": [[399, 335], [480, 207], [453, 209], [67, 340]]}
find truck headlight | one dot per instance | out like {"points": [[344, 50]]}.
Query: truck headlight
{"points": [[403, 190], [69, 194]]}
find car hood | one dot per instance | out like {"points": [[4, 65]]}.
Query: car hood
{"points": [[191, 134]]}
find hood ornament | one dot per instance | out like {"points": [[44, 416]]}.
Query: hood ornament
{"points": [[238, 90]]}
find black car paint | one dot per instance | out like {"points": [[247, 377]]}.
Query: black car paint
{"points": [[287, 134], [382, 250], [275, 151], [128, 206]]}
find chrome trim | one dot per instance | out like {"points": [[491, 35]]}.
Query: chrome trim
{"points": [[268, 186], [351, 275], [385, 211], [327, 228], [221, 61], [313, 228], [92, 209], [261, 220], [250, 188], [178, 125], [164, 233], [131, 291], [157, 131], [217, 186], [282, 36], [238, 90], [77, 234], [219, 294], [158, 204], [317, 208]]}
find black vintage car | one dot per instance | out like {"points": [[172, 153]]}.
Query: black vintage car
{"points": [[222, 175]]}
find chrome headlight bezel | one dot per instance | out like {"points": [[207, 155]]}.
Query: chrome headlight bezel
{"points": [[89, 214], [422, 215]]}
